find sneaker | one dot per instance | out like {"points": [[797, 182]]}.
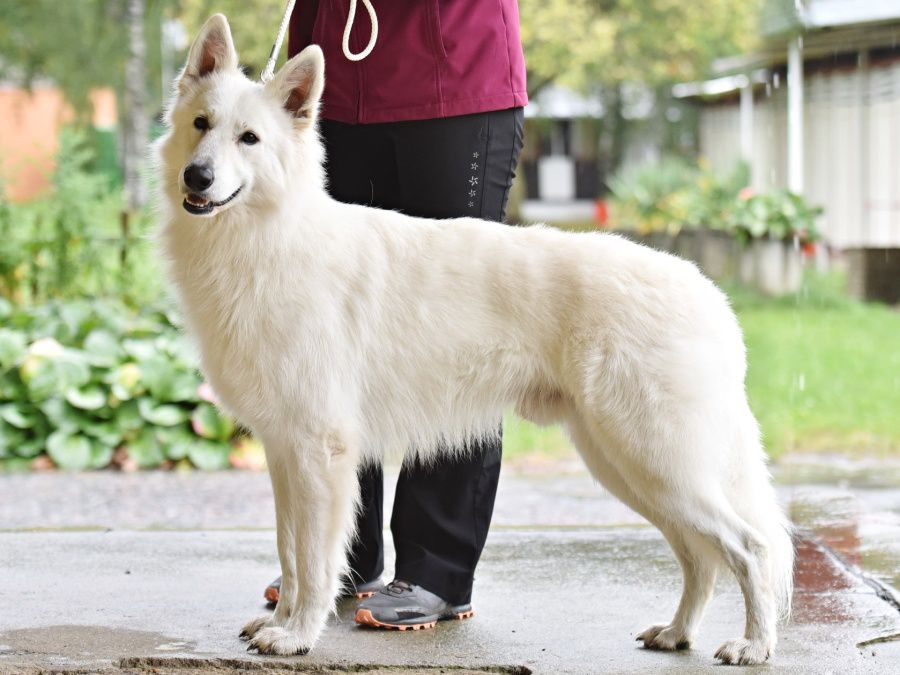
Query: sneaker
{"points": [[404, 606], [365, 590]]}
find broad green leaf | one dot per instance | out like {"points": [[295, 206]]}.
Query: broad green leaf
{"points": [[69, 452], [89, 398], [107, 433], [60, 414], [102, 348], [31, 447], [76, 316], [159, 375], [14, 414], [11, 387], [41, 379], [45, 376], [176, 442], [125, 381], [179, 449], [141, 349], [12, 347], [184, 387], [207, 422], [209, 456], [165, 415], [101, 454], [145, 449], [128, 417], [10, 439]]}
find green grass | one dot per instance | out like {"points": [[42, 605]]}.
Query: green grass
{"points": [[521, 438], [824, 375], [824, 371]]}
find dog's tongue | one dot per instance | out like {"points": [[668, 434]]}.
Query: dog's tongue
{"points": [[196, 200]]}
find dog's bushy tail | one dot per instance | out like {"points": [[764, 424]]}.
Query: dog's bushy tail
{"points": [[758, 505], [779, 531]]}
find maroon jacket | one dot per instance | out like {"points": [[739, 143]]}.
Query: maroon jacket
{"points": [[433, 58]]}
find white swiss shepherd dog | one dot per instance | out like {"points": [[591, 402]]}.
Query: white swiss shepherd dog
{"points": [[336, 331]]}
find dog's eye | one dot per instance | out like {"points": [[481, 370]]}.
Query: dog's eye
{"points": [[249, 138], [201, 123]]}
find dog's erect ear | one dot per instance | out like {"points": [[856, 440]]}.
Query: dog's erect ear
{"points": [[298, 85], [212, 50]]}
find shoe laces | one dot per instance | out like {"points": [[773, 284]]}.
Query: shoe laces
{"points": [[398, 586]]}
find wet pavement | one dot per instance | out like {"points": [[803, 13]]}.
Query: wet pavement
{"points": [[157, 572]]}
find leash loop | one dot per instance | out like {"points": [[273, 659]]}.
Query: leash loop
{"points": [[372, 38], [269, 71]]}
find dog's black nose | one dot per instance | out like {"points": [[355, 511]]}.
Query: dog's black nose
{"points": [[198, 177]]}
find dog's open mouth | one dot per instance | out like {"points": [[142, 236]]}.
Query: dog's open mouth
{"points": [[199, 205]]}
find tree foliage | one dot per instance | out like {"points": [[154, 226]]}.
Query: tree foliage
{"points": [[253, 24], [608, 42], [79, 45]]}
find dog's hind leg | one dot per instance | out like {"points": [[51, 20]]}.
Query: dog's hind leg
{"points": [[746, 553], [703, 530], [698, 561], [320, 502], [698, 567]]}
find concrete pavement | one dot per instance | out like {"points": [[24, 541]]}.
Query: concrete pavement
{"points": [[158, 572]]}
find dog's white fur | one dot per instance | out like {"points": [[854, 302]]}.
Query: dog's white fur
{"points": [[336, 331]]}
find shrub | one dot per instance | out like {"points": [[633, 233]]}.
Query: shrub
{"points": [[92, 383], [779, 215], [673, 195], [69, 242]]}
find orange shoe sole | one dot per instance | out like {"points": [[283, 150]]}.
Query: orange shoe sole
{"points": [[272, 595], [364, 618]]}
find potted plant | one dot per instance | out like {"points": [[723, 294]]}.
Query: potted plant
{"points": [[772, 228]]}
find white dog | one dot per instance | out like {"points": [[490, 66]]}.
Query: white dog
{"points": [[336, 331]]}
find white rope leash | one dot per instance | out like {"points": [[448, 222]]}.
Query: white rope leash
{"points": [[269, 71], [350, 17]]}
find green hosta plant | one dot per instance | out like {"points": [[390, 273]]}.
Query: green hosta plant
{"points": [[777, 215], [90, 383]]}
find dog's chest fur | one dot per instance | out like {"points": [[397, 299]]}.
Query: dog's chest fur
{"points": [[241, 296]]}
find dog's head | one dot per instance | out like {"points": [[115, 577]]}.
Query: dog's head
{"points": [[232, 141]]}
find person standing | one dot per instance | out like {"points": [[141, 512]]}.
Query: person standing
{"points": [[422, 113]]}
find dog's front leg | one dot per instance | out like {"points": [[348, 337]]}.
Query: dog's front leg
{"points": [[315, 489]]}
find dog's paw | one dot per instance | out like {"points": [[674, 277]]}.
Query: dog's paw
{"points": [[252, 628], [278, 641], [743, 652], [664, 637]]}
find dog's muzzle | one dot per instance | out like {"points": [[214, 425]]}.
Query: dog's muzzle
{"points": [[200, 205]]}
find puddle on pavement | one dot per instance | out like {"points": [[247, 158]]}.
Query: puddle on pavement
{"points": [[851, 506], [864, 539]]}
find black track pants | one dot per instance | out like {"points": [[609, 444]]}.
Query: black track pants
{"points": [[441, 168]]}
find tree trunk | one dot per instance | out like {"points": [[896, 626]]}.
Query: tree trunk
{"points": [[135, 129], [612, 134]]}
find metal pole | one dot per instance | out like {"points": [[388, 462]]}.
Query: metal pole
{"points": [[865, 109], [795, 115], [746, 122]]}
